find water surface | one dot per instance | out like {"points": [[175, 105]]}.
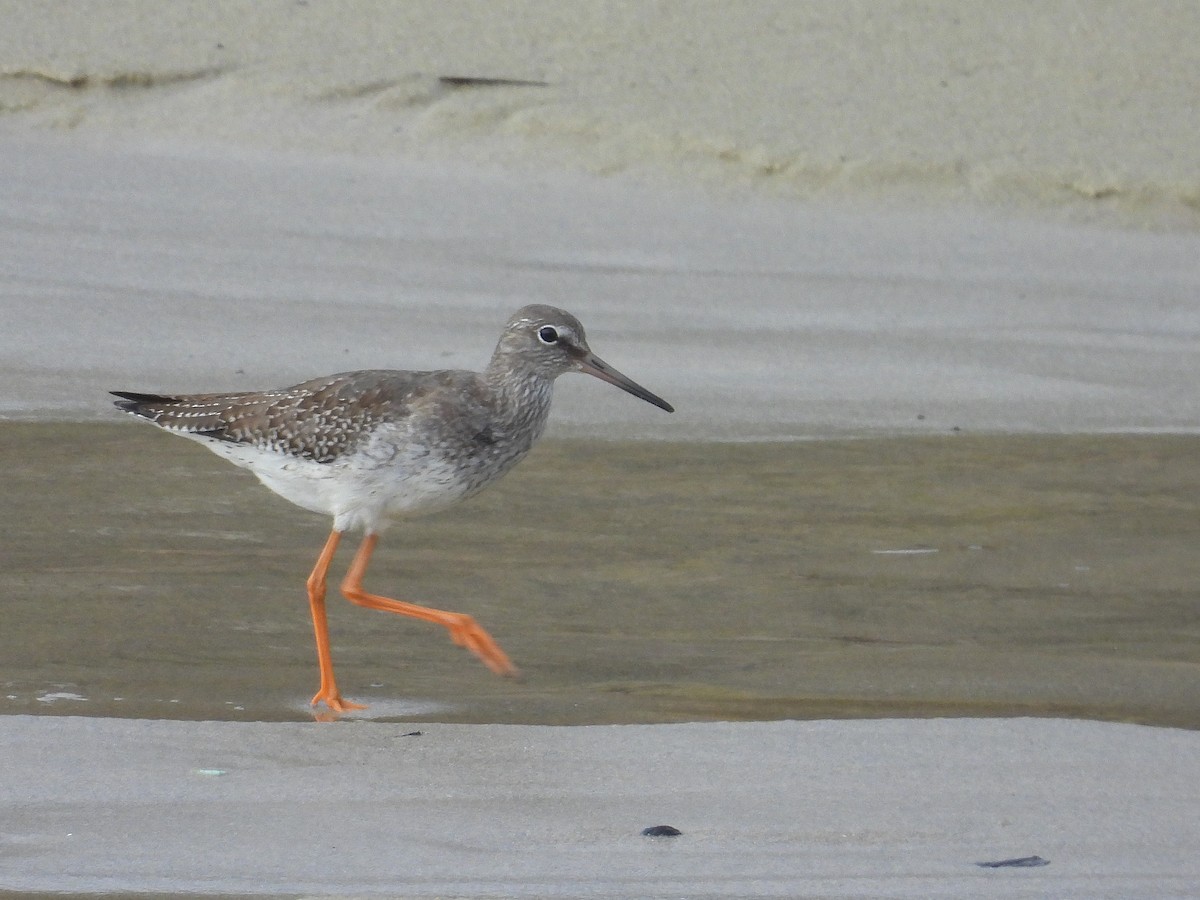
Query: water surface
{"points": [[630, 582]]}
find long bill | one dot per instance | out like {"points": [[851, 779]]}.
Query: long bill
{"points": [[594, 365]]}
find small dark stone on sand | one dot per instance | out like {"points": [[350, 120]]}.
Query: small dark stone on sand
{"points": [[661, 831], [1021, 862]]}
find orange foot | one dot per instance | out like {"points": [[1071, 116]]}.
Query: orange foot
{"points": [[468, 633], [335, 701]]}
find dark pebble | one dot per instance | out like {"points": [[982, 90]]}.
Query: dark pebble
{"points": [[1021, 862], [661, 831]]}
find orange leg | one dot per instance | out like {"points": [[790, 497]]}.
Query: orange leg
{"points": [[464, 630], [316, 600]]}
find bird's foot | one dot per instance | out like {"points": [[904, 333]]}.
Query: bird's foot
{"points": [[468, 633], [335, 701]]}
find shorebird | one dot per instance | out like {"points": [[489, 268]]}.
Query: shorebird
{"points": [[372, 446]]}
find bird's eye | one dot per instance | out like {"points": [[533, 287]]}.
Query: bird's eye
{"points": [[548, 334]]}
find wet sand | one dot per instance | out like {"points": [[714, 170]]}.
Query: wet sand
{"points": [[632, 582]]}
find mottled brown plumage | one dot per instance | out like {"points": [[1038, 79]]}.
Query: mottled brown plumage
{"points": [[319, 420]]}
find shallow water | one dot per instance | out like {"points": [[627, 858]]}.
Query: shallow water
{"points": [[630, 582]]}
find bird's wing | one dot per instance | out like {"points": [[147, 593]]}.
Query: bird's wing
{"points": [[319, 419]]}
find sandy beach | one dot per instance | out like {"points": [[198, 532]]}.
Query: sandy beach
{"points": [[1068, 108], [906, 585]]}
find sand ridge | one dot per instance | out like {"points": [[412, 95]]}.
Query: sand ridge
{"points": [[1078, 110]]}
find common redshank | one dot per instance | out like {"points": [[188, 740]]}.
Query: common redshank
{"points": [[372, 446]]}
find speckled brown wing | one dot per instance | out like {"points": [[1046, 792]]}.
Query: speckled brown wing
{"points": [[319, 419]]}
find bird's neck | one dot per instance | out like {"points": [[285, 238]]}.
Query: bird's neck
{"points": [[522, 397]]}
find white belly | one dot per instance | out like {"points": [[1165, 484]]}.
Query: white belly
{"points": [[364, 490]]}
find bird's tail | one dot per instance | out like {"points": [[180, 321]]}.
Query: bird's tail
{"points": [[140, 404]]}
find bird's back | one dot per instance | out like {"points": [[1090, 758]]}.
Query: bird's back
{"points": [[362, 446], [319, 420]]}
